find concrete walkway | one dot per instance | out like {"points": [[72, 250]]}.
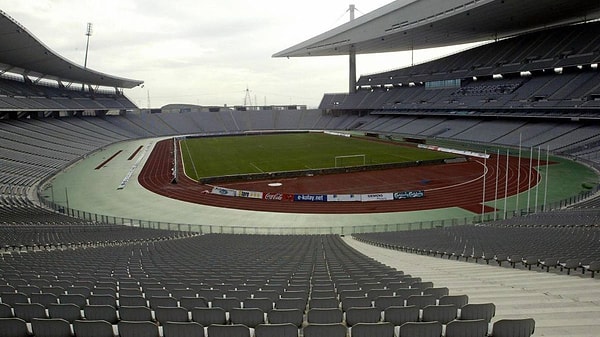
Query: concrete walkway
{"points": [[561, 305]]}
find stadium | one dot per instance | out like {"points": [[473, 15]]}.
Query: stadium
{"points": [[457, 197]]}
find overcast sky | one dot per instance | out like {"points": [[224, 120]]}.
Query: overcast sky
{"points": [[206, 52]]}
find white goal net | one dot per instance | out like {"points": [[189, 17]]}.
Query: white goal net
{"points": [[351, 160]]}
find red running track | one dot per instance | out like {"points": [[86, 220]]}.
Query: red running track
{"points": [[448, 185]]}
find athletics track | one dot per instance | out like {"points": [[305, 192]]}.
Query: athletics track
{"points": [[445, 185]]}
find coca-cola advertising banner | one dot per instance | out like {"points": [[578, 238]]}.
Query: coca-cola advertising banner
{"points": [[278, 196]]}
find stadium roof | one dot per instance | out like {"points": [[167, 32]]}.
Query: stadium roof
{"points": [[418, 24], [22, 53]]}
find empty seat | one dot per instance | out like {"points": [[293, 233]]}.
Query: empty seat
{"points": [[383, 302], [13, 327], [421, 301], [458, 300], [226, 303], [159, 292], [422, 285], [325, 316], [29, 311], [43, 298], [210, 294], [101, 313], [138, 329], [436, 292], [421, 329], [77, 299], [68, 311], [325, 302], [179, 293], [135, 313], [102, 300], [570, 264], [105, 291], [13, 298], [275, 330], [130, 292], [325, 330], [79, 290], [407, 292], [235, 330], [401, 315], [281, 316], [171, 314], [208, 316], [352, 293], [291, 303], [513, 327], [193, 302], [362, 315], [383, 329], [485, 311], [373, 294], [323, 294], [264, 304], [354, 302], [467, 328], [250, 317], [53, 327], [183, 329], [442, 313], [162, 301], [549, 262], [93, 328], [270, 294], [593, 267], [5, 311], [132, 301]]}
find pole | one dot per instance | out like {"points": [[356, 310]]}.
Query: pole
{"points": [[506, 185], [483, 197], [497, 177], [352, 59], [537, 186], [67, 198], [529, 184], [519, 173], [546, 178], [88, 33]]}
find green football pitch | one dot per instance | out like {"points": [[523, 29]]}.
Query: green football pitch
{"points": [[234, 155]]}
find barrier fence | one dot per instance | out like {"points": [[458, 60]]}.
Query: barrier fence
{"points": [[317, 229]]}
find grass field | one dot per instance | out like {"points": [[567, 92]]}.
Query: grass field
{"points": [[218, 156]]}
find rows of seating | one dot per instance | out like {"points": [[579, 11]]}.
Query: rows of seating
{"points": [[526, 52], [18, 95], [562, 241], [229, 285]]}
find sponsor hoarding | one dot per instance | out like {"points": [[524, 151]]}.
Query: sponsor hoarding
{"points": [[224, 191], [277, 196], [250, 194], [409, 195], [310, 197], [343, 197], [377, 197]]}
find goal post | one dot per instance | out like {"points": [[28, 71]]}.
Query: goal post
{"points": [[351, 160]]}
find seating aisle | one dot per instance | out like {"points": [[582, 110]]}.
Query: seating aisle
{"points": [[561, 305]]}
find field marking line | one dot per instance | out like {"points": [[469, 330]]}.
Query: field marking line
{"points": [[256, 167]]}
